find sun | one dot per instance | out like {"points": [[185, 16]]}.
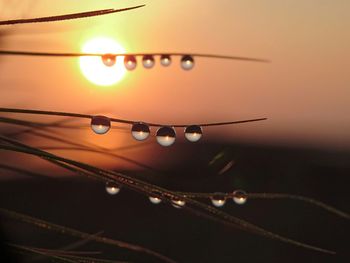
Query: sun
{"points": [[94, 69]]}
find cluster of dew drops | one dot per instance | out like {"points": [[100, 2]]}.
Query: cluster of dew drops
{"points": [[165, 135], [148, 61], [218, 200]]}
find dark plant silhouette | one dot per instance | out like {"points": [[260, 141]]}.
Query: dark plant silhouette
{"points": [[66, 16], [140, 130]]}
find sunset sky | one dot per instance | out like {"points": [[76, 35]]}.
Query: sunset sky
{"points": [[304, 91], [293, 168]]}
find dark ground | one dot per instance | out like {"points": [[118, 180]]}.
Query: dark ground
{"points": [[83, 204]]}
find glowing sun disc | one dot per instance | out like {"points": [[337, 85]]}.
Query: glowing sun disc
{"points": [[94, 69]]}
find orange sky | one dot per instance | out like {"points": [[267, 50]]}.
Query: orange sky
{"points": [[304, 91]]}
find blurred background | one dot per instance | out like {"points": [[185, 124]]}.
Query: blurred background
{"points": [[303, 147]]}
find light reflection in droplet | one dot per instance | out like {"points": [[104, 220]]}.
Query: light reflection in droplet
{"points": [[155, 200], [100, 124], [193, 133], [112, 188], [148, 61], [239, 197], [165, 60], [187, 62], [109, 60], [130, 62], [218, 200], [177, 203], [166, 136], [140, 131]]}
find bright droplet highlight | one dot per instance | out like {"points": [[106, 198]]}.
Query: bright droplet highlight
{"points": [[193, 133], [108, 71], [155, 200], [240, 197], [166, 136], [140, 131], [130, 62], [187, 62], [165, 60], [148, 61], [100, 124], [218, 200], [177, 203], [109, 60], [112, 188]]}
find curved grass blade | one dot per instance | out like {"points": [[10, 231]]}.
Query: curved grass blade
{"points": [[164, 194], [60, 54], [58, 256], [308, 200], [88, 116], [25, 172], [26, 250], [66, 249], [67, 16], [98, 149], [76, 233], [64, 252], [82, 147], [55, 124]]}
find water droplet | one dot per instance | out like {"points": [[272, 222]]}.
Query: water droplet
{"points": [[155, 200], [109, 60], [177, 203], [239, 197], [193, 133], [218, 200], [187, 62], [100, 124], [165, 60], [140, 131], [112, 188], [166, 136], [130, 62], [148, 61]]}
